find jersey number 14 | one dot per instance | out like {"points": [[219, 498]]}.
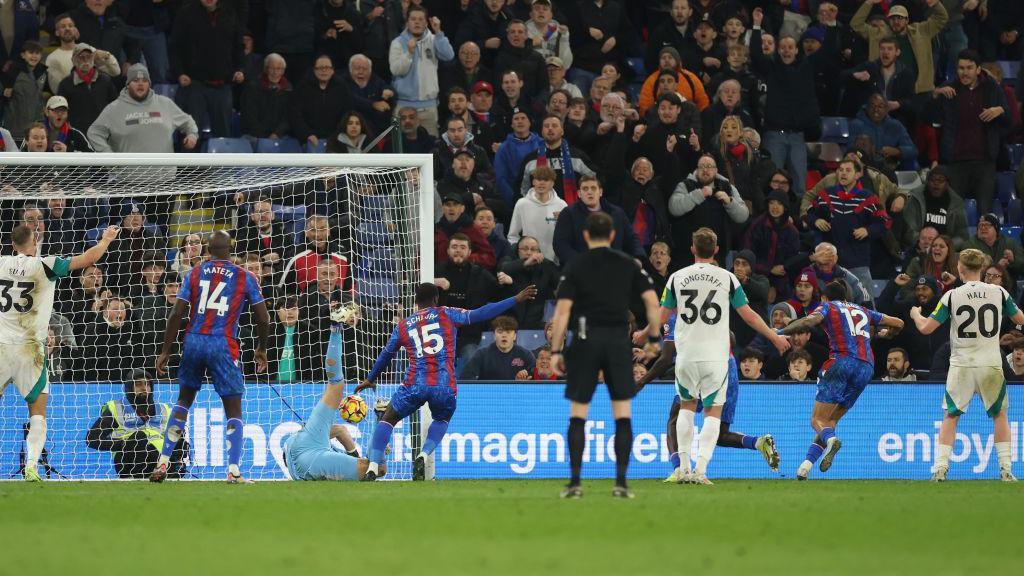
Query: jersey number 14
{"points": [[212, 300]]}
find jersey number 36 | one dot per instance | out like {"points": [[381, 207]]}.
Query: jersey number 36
{"points": [[710, 312]]}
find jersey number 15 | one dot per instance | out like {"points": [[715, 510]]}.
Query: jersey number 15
{"points": [[428, 342]]}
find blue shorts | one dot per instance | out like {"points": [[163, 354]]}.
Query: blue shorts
{"points": [[842, 380], [311, 456], [440, 398], [215, 355], [732, 394]]}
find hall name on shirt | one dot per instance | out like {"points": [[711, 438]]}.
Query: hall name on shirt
{"points": [[701, 278], [225, 272], [975, 295]]}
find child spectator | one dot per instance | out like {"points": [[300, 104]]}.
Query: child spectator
{"points": [[751, 364], [799, 366], [538, 212], [502, 360], [23, 86]]}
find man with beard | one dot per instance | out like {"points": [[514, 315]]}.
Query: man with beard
{"points": [[886, 75], [132, 429], [59, 132], [87, 88], [921, 348], [455, 220], [897, 367], [568, 162], [706, 199], [464, 284], [672, 142], [261, 234], [937, 206], [455, 138], [461, 178], [60, 62]]}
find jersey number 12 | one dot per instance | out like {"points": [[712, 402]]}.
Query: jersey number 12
{"points": [[212, 300], [857, 321]]}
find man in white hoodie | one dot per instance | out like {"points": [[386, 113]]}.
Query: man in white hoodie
{"points": [[536, 214], [414, 57]]}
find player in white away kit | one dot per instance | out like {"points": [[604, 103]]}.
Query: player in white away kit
{"points": [[27, 283], [975, 311], [703, 293]]}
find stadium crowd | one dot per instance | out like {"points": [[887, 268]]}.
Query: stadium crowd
{"points": [[865, 140]]}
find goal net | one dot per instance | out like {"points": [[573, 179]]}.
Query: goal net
{"points": [[313, 228]]}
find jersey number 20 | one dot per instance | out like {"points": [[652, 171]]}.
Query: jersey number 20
{"points": [[23, 303], [988, 321], [428, 342]]}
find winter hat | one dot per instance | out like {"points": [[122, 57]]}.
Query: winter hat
{"points": [[136, 72], [747, 255], [673, 52], [814, 33], [786, 308], [807, 275], [929, 282]]}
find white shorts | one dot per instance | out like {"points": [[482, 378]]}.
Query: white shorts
{"points": [[704, 381], [25, 366], [963, 381]]}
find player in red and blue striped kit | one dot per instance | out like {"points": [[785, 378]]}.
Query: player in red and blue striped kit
{"points": [[846, 373], [215, 295], [428, 337]]}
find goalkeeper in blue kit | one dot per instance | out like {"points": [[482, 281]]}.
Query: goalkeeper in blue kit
{"points": [[309, 454]]}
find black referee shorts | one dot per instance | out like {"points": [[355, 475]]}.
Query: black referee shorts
{"points": [[607, 349]]}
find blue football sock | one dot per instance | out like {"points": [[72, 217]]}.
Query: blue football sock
{"points": [[381, 437], [434, 434], [335, 352], [175, 430], [235, 438], [749, 442], [674, 459], [825, 434], [814, 452]]}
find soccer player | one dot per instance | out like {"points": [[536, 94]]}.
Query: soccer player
{"points": [[702, 294], [309, 454], [848, 370], [682, 474], [27, 283], [215, 295], [428, 337], [976, 311]]}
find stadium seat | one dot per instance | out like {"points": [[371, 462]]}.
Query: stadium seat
{"points": [[972, 231], [1012, 231], [828, 152], [835, 129], [368, 234], [1014, 213], [908, 180], [229, 146], [320, 148], [971, 207], [236, 124], [486, 339], [1010, 68], [997, 209], [293, 219], [877, 286], [530, 339], [1015, 152], [633, 90], [168, 90], [378, 289], [636, 67], [1005, 186], [279, 146], [380, 262], [549, 309]]}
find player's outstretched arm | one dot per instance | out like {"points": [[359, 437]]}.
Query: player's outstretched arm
{"points": [[891, 326], [661, 366], [754, 320], [809, 321], [494, 309], [262, 333], [924, 325], [171, 335], [92, 255]]}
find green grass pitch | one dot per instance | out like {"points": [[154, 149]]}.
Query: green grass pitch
{"points": [[512, 527]]}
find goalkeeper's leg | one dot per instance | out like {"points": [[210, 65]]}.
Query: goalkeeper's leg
{"points": [[335, 389]]}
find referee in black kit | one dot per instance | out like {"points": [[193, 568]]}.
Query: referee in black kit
{"points": [[596, 289]]}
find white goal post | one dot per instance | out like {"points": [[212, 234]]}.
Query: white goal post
{"points": [[314, 227]]}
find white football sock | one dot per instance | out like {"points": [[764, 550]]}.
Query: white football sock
{"points": [[942, 453], [708, 439], [684, 436], [1003, 451], [36, 440]]}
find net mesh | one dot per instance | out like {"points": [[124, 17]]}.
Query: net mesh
{"points": [[311, 234]]}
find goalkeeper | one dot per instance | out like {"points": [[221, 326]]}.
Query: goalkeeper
{"points": [[309, 454]]}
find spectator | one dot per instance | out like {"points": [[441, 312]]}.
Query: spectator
{"points": [[64, 233], [996, 274], [479, 125], [152, 316], [773, 239], [642, 197], [110, 342], [300, 271], [263, 235], [672, 141], [415, 139], [915, 40], [464, 284], [939, 264], [266, 101], [727, 102], [455, 138], [483, 218], [798, 364], [675, 33], [689, 85], [1000, 37], [370, 94], [549, 38], [352, 135], [738, 161], [530, 267], [384, 21], [36, 139], [289, 357], [104, 31], [969, 148], [318, 103], [454, 220], [706, 199], [657, 265], [922, 349], [466, 72], [850, 218], [1002, 249], [936, 205], [544, 369], [119, 129], [751, 362], [59, 63], [806, 294], [23, 86], [414, 58], [556, 79], [536, 215], [568, 162], [125, 256], [872, 179], [512, 154], [61, 135], [517, 53], [886, 75], [79, 303], [606, 36], [460, 179], [190, 254], [776, 366], [151, 289], [502, 360], [887, 134], [87, 89], [339, 27], [710, 54], [1013, 367], [290, 33], [756, 287], [824, 262], [314, 306], [512, 98], [568, 240], [738, 58], [897, 367]]}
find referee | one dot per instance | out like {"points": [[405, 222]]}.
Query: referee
{"points": [[595, 290]]}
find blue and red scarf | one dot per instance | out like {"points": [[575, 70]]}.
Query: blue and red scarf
{"points": [[569, 193]]}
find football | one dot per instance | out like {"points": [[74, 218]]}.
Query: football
{"points": [[345, 313], [353, 409]]}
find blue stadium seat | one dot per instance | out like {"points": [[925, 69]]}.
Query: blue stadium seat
{"points": [[229, 146], [373, 234], [1010, 69], [236, 124], [279, 146], [168, 90], [293, 219], [549, 309], [320, 148], [828, 152], [486, 339], [380, 262], [633, 90], [997, 209], [636, 66], [972, 231], [1005, 186], [530, 339], [1016, 155], [378, 289], [835, 129], [877, 286], [1012, 232], [971, 207], [1014, 213]]}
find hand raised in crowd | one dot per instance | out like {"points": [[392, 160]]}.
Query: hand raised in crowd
{"points": [[723, 197], [902, 279], [442, 283], [504, 279], [190, 141], [435, 25], [694, 140], [948, 279], [639, 132], [863, 75], [758, 16], [670, 143]]}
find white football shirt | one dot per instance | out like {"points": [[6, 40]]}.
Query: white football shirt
{"points": [[26, 296], [702, 295]]}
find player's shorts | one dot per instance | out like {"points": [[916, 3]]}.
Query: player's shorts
{"points": [[729, 408], [441, 398], [963, 381], [605, 349], [26, 366], [704, 381], [841, 381], [310, 455], [213, 355]]}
